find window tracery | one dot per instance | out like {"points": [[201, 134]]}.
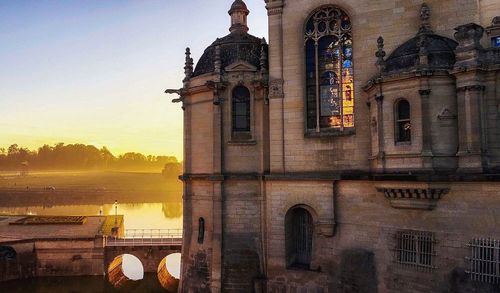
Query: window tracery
{"points": [[329, 70]]}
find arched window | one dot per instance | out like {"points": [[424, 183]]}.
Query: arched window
{"points": [[402, 121], [241, 109], [201, 230], [298, 238], [329, 70]]}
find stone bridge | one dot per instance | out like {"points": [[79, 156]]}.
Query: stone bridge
{"points": [[149, 246]]}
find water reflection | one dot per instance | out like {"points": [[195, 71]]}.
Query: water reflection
{"points": [[137, 215], [149, 284]]}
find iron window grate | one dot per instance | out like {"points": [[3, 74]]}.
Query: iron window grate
{"points": [[415, 249], [484, 263]]}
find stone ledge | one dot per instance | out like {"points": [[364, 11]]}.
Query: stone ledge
{"points": [[414, 198]]}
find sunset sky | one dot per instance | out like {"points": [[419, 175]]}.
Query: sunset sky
{"points": [[94, 71]]}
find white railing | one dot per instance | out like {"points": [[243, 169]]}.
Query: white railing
{"points": [[146, 237]]}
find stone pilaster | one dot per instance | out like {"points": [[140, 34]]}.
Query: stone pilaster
{"points": [[276, 95], [470, 94], [471, 150], [426, 128], [380, 132]]}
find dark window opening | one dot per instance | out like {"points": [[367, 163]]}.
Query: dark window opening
{"points": [[241, 109], [403, 121], [298, 238], [201, 230]]}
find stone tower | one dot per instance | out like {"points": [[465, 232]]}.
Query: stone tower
{"points": [[225, 124]]}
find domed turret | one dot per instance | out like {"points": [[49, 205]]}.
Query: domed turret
{"points": [[239, 13], [237, 46]]}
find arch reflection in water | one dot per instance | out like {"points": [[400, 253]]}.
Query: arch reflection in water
{"points": [[124, 271], [169, 272]]}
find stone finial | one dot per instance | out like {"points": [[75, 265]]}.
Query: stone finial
{"points": [[188, 66], [380, 54], [423, 58], [217, 61], [238, 13], [425, 15], [469, 51], [469, 36], [263, 55]]}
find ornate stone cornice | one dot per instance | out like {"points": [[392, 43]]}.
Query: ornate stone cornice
{"points": [[414, 198], [471, 88], [274, 7]]}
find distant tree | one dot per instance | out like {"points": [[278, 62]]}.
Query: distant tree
{"points": [[82, 157]]}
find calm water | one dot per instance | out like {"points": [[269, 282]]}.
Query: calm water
{"points": [[150, 283], [147, 200], [137, 215]]}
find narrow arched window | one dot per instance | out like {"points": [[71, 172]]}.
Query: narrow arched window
{"points": [[201, 230], [241, 109], [329, 70], [402, 121], [298, 238]]}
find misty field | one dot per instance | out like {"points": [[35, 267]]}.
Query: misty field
{"points": [[69, 188]]}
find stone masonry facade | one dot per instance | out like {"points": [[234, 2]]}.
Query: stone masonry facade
{"points": [[389, 203]]}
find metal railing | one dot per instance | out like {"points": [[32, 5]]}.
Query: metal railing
{"points": [[146, 237], [484, 263]]}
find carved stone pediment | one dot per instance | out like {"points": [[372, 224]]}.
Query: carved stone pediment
{"points": [[240, 66], [446, 114], [413, 197]]}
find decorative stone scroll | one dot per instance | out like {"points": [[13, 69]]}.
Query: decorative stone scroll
{"points": [[414, 198], [276, 89]]}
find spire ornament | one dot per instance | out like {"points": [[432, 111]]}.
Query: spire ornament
{"points": [[188, 66], [425, 15], [263, 56], [217, 62], [380, 54]]}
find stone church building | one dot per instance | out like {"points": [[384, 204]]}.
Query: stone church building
{"points": [[355, 150]]}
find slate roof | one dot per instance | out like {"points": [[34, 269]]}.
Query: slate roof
{"points": [[440, 51], [237, 46]]}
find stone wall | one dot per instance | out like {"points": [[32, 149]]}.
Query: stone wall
{"points": [[361, 253], [396, 21]]}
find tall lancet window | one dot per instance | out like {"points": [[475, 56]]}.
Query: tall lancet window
{"points": [[329, 70], [241, 109]]}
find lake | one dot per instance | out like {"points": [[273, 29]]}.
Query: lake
{"points": [[147, 200]]}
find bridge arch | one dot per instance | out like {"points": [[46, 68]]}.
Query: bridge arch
{"points": [[169, 271], [125, 270]]}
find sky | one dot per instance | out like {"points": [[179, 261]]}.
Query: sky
{"points": [[95, 71]]}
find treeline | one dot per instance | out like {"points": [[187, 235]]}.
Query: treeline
{"points": [[83, 157]]}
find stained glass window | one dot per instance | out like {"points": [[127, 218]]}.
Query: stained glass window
{"points": [[329, 70], [241, 109]]}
